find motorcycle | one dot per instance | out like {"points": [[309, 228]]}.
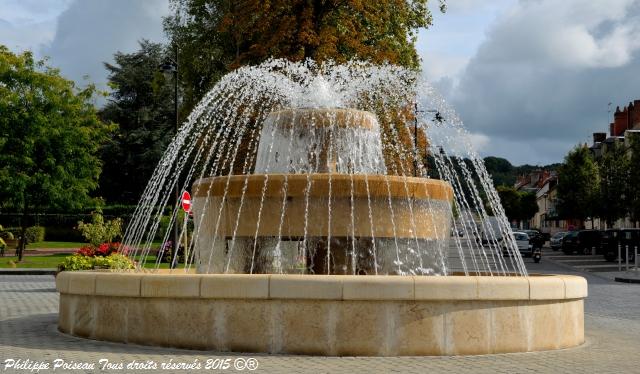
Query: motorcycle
{"points": [[537, 255]]}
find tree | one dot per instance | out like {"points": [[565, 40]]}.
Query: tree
{"points": [[510, 200], [141, 103], [216, 36], [528, 205], [578, 185], [518, 205], [50, 137], [614, 170], [632, 194]]}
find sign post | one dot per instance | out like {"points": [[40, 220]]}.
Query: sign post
{"points": [[186, 206]]}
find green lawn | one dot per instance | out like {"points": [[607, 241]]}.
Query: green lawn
{"points": [[55, 245], [52, 261]]}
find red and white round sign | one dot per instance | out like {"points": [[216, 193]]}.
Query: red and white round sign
{"points": [[186, 201]]}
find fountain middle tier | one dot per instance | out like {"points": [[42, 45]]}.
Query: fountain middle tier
{"points": [[321, 223]]}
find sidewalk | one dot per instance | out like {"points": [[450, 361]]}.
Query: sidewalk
{"points": [[631, 276], [28, 271]]}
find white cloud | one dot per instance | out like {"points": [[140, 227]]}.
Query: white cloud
{"points": [[541, 80]]}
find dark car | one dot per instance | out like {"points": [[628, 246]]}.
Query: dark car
{"points": [[619, 239], [581, 241], [536, 238]]}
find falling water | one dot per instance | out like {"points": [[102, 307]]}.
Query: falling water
{"points": [[306, 168]]}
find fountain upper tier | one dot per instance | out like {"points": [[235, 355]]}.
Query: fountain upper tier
{"points": [[320, 140]]}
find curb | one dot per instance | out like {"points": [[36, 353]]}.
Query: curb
{"points": [[627, 280], [34, 271]]}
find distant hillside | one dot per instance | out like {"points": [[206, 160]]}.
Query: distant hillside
{"points": [[503, 173]]}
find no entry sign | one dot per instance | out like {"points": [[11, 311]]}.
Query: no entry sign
{"points": [[186, 201]]}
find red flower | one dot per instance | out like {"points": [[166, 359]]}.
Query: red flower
{"points": [[103, 249], [86, 251]]}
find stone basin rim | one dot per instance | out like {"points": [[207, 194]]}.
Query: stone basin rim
{"points": [[322, 287], [342, 185]]}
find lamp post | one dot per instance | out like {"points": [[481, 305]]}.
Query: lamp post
{"points": [[437, 117], [170, 67]]}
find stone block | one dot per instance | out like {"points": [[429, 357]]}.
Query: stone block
{"points": [[65, 314], [178, 286], [150, 322], [381, 287], [62, 282], [446, 288], [575, 287], [545, 317], [546, 288], [82, 283], [234, 286], [468, 328], [503, 288], [246, 325], [118, 284], [193, 324], [317, 287], [111, 318], [306, 327], [419, 328], [359, 329], [510, 330], [83, 316]]}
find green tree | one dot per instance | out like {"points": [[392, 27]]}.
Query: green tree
{"points": [[578, 185], [141, 103], [216, 36], [632, 194], [614, 171], [518, 205], [528, 206], [50, 137], [510, 200]]}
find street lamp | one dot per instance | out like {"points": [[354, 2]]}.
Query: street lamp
{"points": [[170, 67], [437, 117]]}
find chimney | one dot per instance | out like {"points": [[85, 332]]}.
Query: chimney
{"points": [[599, 137], [620, 122], [634, 115], [611, 129]]}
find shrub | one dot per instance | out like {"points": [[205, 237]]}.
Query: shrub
{"points": [[99, 231], [113, 261], [78, 261], [34, 234]]}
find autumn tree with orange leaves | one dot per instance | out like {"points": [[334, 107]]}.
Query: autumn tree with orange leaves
{"points": [[217, 36]]}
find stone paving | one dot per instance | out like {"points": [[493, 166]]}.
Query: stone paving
{"points": [[28, 306]]}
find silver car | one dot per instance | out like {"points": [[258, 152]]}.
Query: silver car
{"points": [[522, 240], [556, 240]]}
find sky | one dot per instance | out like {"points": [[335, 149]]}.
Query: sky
{"points": [[530, 78]]}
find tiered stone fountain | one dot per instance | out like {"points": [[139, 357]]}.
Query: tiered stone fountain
{"points": [[347, 230]]}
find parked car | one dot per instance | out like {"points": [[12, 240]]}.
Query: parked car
{"points": [[581, 241], [619, 238], [556, 240], [523, 242], [535, 238]]}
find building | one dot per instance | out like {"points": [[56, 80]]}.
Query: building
{"points": [[625, 125], [543, 183]]}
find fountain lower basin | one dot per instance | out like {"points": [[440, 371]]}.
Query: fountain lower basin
{"points": [[335, 217], [337, 315]]}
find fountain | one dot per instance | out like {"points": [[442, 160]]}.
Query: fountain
{"points": [[319, 229]]}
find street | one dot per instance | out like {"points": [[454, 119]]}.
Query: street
{"points": [[28, 314]]}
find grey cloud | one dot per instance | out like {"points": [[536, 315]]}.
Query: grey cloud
{"points": [[89, 32], [535, 102]]}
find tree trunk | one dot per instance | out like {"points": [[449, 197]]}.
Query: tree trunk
{"points": [[22, 244]]}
